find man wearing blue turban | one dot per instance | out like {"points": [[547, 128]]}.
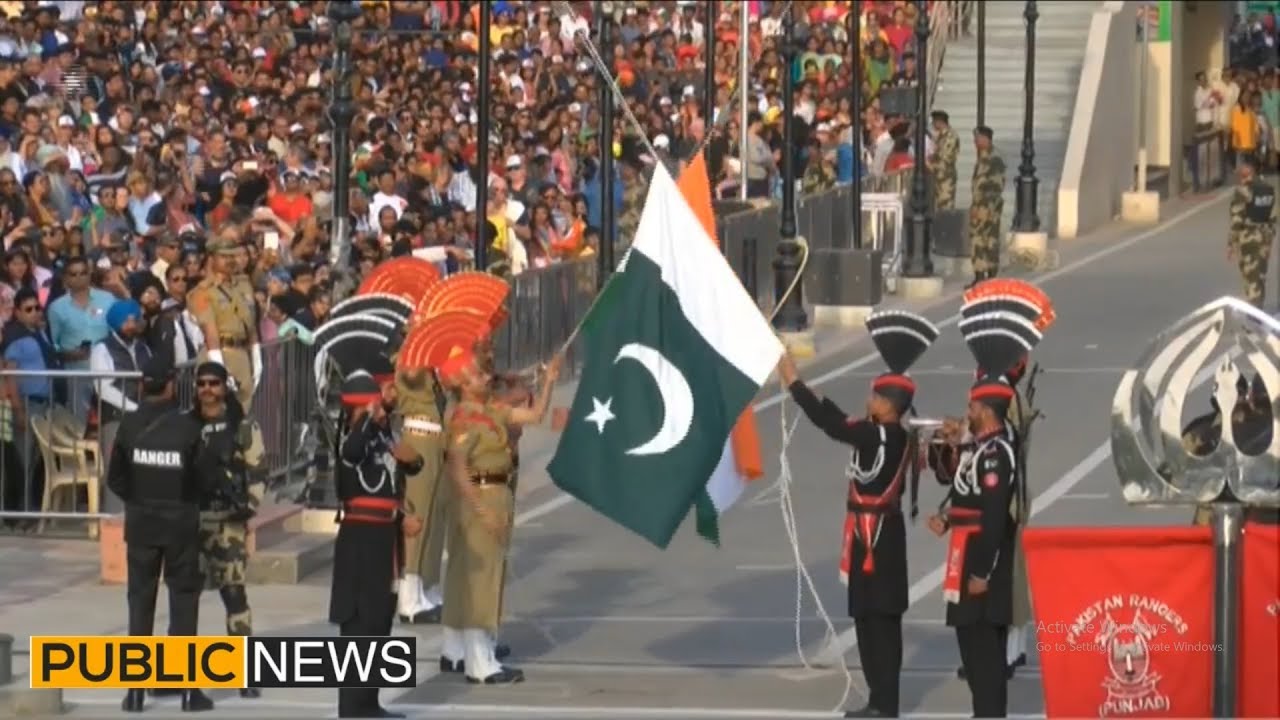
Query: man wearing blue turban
{"points": [[123, 350]]}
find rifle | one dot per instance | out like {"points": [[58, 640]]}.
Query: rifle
{"points": [[1028, 414]]}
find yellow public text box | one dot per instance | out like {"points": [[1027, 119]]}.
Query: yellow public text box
{"points": [[138, 662]]}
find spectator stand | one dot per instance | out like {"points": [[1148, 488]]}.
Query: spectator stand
{"points": [[132, 133]]}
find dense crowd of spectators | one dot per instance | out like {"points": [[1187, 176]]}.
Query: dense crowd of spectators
{"points": [[131, 133]]}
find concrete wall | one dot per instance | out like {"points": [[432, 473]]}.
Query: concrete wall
{"points": [[1101, 150], [1197, 42]]}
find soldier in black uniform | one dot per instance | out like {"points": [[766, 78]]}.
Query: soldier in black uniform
{"points": [[874, 553], [978, 582], [369, 551], [154, 469]]}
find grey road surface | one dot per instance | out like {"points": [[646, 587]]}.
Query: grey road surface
{"points": [[606, 626]]}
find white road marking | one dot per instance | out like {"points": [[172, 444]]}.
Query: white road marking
{"points": [[667, 619], [453, 710], [561, 499]]}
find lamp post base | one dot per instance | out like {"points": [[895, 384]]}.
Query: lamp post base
{"points": [[800, 343], [841, 316], [924, 287], [21, 701], [948, 267], [1029, 249], [1142, 208]]}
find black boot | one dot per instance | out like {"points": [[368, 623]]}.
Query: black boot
{"points": [[960, 673], [195, 701], [250, 693], [133, 701], [452, 666]]}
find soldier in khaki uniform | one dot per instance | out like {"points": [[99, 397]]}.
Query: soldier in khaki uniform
{"points": [[228, 320], [421, 404], [480, 466]]}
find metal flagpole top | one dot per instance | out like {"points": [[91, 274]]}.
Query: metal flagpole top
{"points": [[1154, 465]]}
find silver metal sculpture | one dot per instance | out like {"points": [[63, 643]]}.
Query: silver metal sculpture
{"points": [[1146, 417], [1155, 468]]}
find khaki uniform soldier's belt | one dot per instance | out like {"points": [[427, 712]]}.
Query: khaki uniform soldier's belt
{"points": [[491, 478], [421, 425]]}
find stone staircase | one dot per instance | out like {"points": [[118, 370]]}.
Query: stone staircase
{"points": [[1061, 34]]}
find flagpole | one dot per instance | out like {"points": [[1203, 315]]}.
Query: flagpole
{"points": [[744, 77]]}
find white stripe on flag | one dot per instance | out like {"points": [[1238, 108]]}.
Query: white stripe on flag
{"points": [[710, 294], [726, 484]]}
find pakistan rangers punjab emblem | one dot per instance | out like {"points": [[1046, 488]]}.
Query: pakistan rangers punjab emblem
{"points": [[1132, 683]]}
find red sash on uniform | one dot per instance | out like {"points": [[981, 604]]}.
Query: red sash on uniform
{"points": [[863, 517], [964, 522]]}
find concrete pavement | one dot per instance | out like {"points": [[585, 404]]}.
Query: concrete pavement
{"points": [[607, 626]]}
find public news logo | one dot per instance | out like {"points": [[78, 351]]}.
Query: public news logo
{"points": [[223, 662], [1122, 629]]}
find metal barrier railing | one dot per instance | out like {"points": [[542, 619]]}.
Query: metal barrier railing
{"points": [[1205, 160], [54, 445]]}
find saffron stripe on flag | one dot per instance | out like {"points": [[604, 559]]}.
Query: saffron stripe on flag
{"points": [[742, 460]]}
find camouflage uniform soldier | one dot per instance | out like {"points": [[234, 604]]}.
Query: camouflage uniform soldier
{"points": [[233, 445], [942, 164], [633, 195], [228, 320], [421, 404], [987, 207], [1253, 227]]}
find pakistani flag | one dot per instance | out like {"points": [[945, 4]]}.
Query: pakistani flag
{"points": [[675, 349]]}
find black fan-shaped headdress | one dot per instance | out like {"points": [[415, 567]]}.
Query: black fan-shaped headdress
{"points": [[357, 344], [383, 305], [901, 338], [999, 341]]}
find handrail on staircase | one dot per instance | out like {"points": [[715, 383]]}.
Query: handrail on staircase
{"points": [[948, 20]]}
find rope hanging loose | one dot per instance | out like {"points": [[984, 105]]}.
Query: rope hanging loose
{"points": [[803, 580]]}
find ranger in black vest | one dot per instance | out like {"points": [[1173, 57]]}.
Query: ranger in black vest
{"points": [[873, 557], [155, 469], [978, 577], [1253, 229]]}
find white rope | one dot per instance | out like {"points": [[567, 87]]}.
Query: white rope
{"points": [[803, 578], [785, 502]]}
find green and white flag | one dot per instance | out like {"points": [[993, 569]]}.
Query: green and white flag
{"points": [[674, 351]]}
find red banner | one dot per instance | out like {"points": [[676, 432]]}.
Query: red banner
{"points": [[1124, 620], [1259, 695]]}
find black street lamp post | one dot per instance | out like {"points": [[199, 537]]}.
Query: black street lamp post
{"points": [[790, 316], [1027, 219], [342, 110], [709, 69], [855, 109], [982, 63], [920, 264], [609, 229], [482, 131]]}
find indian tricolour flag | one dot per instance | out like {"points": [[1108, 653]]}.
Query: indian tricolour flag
{"points": [[675, 350], [740, 462]]}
